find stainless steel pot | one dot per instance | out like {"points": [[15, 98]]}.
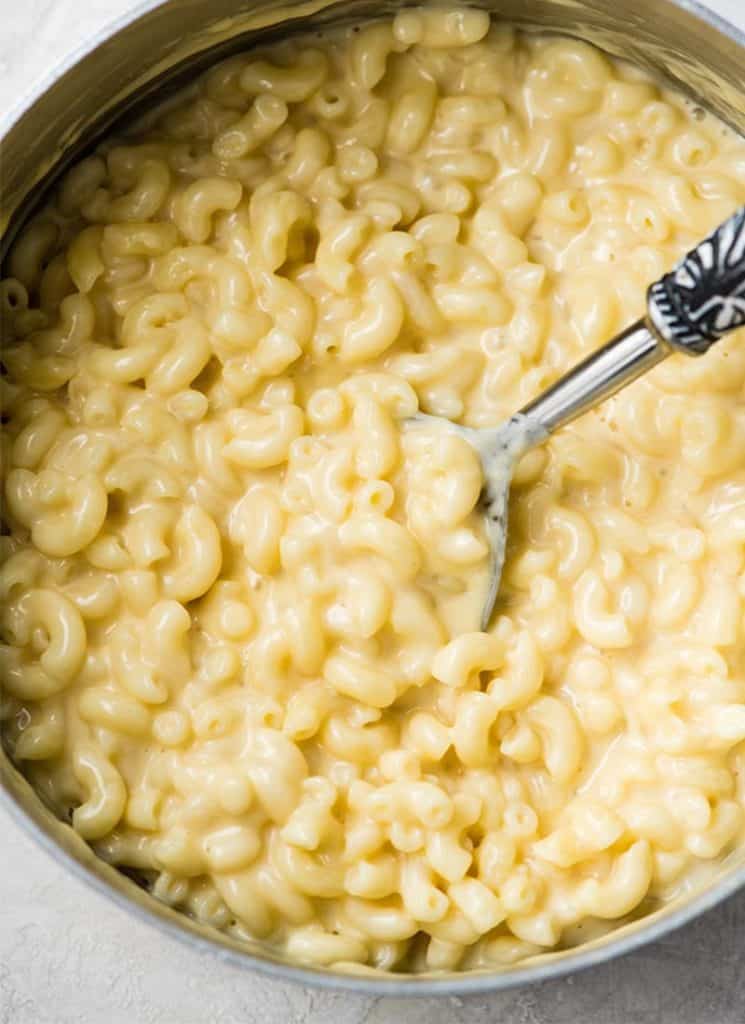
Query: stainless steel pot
{"points": [[156, 47]]}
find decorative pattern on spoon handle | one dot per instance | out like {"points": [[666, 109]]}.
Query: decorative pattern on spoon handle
{"points": [[703, 296]]}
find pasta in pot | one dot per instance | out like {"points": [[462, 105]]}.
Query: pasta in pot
{"points": [[239, 597]]}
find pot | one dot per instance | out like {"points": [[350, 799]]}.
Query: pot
{"points": [[156, 48]]}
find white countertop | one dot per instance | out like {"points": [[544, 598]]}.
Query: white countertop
{"points": [[68, 956]]}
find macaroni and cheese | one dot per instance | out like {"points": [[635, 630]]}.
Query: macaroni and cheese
{"points": [[240, 596]]}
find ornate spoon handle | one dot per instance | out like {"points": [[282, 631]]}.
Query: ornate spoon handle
{"points": [[702, 298]]}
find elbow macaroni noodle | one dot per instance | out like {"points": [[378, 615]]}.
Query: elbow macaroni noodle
{"points": [[239, 594]]}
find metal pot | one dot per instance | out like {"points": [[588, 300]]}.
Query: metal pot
{"points": [[155, 48]]}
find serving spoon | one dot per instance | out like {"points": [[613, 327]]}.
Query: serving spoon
{"points": [[688, 309]]}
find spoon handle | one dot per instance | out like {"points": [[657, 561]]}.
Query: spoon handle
{"points": [[607, 370], [702, 298]]}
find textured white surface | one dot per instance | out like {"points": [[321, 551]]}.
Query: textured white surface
{"points": [[69, 957]]}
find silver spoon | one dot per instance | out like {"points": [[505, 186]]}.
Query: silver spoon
{"points": [[702, 298]]}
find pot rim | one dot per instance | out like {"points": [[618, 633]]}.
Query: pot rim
{"points": [[551, 964]]}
